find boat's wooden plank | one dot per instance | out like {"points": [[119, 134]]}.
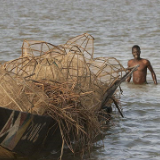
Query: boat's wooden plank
{"points": [[28, 134]]}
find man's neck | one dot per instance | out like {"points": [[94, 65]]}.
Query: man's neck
{"points": [[137, 59]]}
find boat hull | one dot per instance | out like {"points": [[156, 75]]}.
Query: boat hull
{"points": [[28, 134]]}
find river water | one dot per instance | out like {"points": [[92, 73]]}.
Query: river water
{"points": [[116, 26]]}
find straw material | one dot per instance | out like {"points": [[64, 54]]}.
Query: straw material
{"points": [[65, 82]]}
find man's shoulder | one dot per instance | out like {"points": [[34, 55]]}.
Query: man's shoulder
{"points": [[145, 60], [142, 60], [131, 60]]}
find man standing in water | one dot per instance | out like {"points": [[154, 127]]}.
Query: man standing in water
{"points": [[139, 76]]}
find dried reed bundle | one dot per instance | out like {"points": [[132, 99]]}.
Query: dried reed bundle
{"points": [[77, 123], [64, 82], [19, 94]]}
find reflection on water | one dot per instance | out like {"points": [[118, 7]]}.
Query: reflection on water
{"points": [[116, 26]]}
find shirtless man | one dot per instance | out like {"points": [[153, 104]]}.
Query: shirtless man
{"points": [[139, 76]]}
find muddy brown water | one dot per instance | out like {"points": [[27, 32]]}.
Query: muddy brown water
{"points": [[116, 26]]}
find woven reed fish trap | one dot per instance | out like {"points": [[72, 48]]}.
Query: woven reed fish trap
{"points": [[65, 82], [18, 94]]}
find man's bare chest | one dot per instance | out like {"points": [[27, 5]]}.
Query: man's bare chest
{"points": [[142, 65]]}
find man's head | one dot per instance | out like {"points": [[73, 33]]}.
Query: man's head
{"points": [[136, 51]]}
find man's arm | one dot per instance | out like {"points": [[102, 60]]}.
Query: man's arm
{"points": [[152, 72]]}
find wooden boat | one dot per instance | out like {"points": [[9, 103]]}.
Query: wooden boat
{"points": [[28, 134]]}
